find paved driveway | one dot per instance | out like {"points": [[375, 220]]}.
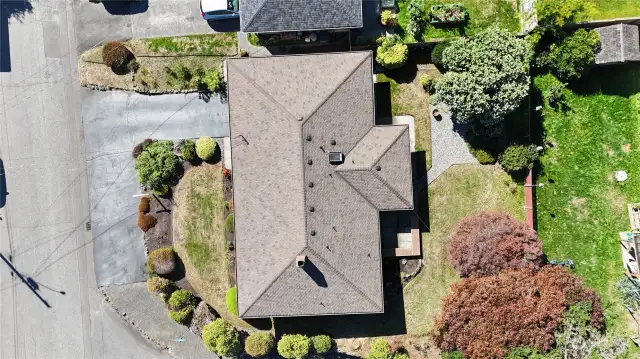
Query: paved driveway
{"points": [[114, 122]]}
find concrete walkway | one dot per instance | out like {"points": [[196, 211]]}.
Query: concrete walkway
{"points": [[448, 148], [114, 122]]}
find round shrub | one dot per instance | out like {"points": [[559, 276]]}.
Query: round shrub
{"points": [[137, 149], [428, 83], [294, 346], [221, 338], [188, 150], [161, 261], [483, 156], [146, 221], [156, 164], [181, 305], [380, 349], [387, 18], [229, 223], [231, 300], [115, 54], [159, 286], [259, 344], [490, 242], [321, 343], [391, 52], [144, 206], [180, 316], [518, 157], [205, 148], [436, 53]]}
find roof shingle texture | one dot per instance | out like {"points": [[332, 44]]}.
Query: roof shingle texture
{"points": [[618, 43], [297, 15], [286, 115]]}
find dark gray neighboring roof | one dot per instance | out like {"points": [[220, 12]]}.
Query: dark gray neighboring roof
{"points": [[619, 43], [286, 114], [297, 15]]}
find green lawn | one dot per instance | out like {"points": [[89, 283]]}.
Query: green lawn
{"points": [[610, 9], [482, 14], [460, 191], [582, 208]]}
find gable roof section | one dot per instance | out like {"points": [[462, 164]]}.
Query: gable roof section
{"points": [[618, 43], [286, 114], [298, 15]]}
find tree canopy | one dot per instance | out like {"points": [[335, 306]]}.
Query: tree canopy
{"points": [[486, 317], [569, 58], [555, 13], [488, 76]]}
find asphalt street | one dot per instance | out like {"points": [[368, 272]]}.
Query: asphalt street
{"points": [[43, 230]]}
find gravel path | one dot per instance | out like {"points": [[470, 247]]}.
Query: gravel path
{"points": [[448, 148]]}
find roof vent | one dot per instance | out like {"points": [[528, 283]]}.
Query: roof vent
{"points": [[308, 137], [336, 158], [378, 168], [300, 261], [333, 142]]}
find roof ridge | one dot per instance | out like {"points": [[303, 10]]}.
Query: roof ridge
{"points": [[390, 144], [339, 86], [270, 284], [259, 88], [254, 15], [342, 276], [357, 191], [393, 190]]}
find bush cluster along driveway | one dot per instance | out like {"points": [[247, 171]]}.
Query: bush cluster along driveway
{"points": [[582, 208]]}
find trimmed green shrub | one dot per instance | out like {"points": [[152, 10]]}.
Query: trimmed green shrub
{"points": [[229, 223], [380, 349], [212, 80], [387, 18], [137, 150], [115, 54], [570, 58], [188, 150], [518, 157], [161, 261], [391, 52], [156, 164], [162, 190], [321, 343], [436, 53], [159, 286], [294, 346], [254, 39], [205, 147], [483, 156], [259, 344], [428, 83], [146, 221], [181, 305], [221, 338], [232, 301]]}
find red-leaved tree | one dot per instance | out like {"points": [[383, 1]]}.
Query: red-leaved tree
{"points": [[487, 243], [485, 317]]}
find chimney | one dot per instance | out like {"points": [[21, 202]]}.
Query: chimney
{"points": [[300, 261]]}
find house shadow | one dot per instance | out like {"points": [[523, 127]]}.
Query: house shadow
{"points": [[391, 322], [616, 79], [10, 9], [229, 25], [125, 7]]}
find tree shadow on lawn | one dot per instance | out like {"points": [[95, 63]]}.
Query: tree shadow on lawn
{"points": [[391, 322], [10, 9]]}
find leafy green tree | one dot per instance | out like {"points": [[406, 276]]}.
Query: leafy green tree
{"points": [[557, 13], [221, 338], [391, 52], [156, 164], [259, 344], [571, 57], [518, 157], [380, 349], [294, 346], [487, 78]]}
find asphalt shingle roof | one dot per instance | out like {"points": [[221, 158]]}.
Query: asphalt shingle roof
{"points": [[298, 15], [618, 43], [286, 114]]}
